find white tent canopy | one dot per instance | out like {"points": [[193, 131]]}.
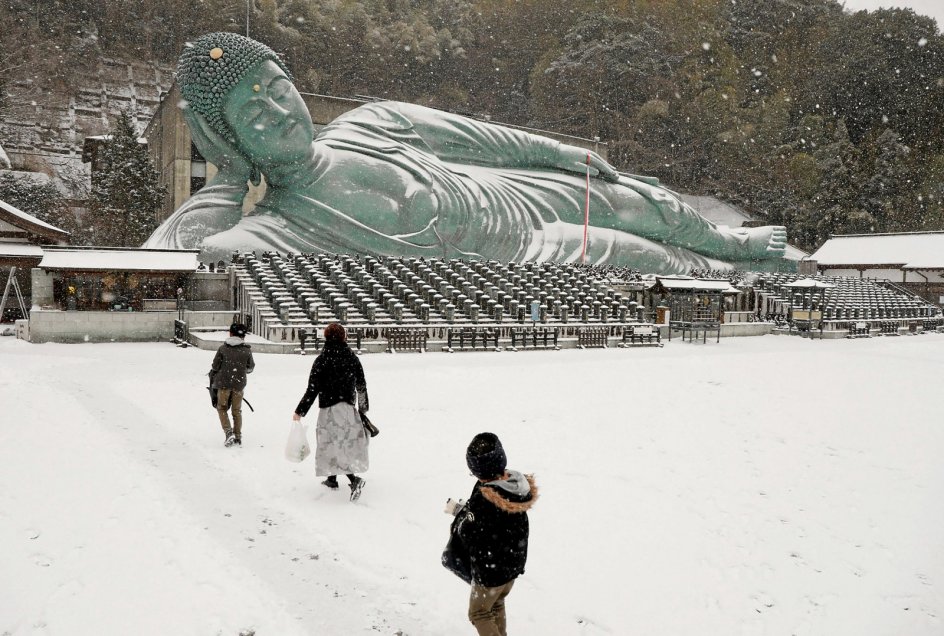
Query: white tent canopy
{"points": [[809, 283]]}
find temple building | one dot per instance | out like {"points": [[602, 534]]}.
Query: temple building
{"points": [[913, 260], [22, 238]]}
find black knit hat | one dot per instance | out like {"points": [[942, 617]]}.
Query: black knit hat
{"points": [[486, 457], [237, 329]]}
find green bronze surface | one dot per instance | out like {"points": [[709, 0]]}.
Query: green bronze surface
{"points": [[390, 178]]}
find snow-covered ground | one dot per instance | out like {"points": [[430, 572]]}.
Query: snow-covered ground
{"points": [[766, 485]]}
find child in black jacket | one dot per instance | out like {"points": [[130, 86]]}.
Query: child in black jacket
{"points": [[493, 529]]}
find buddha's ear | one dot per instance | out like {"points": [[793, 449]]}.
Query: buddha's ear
{"points": [[255, 177]]}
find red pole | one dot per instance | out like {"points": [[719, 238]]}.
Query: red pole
{"points": [[586, 215]]}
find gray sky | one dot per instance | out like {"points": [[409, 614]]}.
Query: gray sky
{"points": [[932, 8]]}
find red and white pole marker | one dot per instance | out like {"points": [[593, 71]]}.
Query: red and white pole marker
{"points": [[586, 215]]}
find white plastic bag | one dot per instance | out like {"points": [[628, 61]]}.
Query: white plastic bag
{"points": [[297, 449]]}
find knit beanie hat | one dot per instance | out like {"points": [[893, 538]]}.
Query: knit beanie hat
{"points": [[486, 457], [237, 329]]}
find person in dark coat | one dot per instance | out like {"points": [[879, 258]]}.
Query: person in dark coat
{"points": [[233, 361], [337, 380], [494, 531]]}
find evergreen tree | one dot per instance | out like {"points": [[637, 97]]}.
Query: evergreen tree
{"points": [[840, 184], [39, 199], [885, 194], [931, 195], [609, 67], [126, 196]]}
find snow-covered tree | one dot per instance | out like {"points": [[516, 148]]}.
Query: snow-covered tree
{"points": [[886, 193], [126, 195], [840, 184], [39, 199]]}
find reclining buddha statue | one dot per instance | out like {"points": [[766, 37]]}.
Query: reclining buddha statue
{"points": [[396, 179]]}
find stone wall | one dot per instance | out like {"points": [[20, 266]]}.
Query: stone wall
{"points": [[51, 325], [213, 286], [43, 131], [100, 326]]}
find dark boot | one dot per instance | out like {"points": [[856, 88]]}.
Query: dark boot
{"points": [[331, 482], [357, 485]]}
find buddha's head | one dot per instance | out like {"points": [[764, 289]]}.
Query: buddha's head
{"points": [[244, 92]]}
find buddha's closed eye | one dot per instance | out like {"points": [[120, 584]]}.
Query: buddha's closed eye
{"points": [[255, 114], [279, 88]]}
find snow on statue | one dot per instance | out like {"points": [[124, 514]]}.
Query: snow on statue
{"points": [[390, 178]]}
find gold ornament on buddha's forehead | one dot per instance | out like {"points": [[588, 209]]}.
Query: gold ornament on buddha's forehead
{"points": [[256, 88], [211, 66]]}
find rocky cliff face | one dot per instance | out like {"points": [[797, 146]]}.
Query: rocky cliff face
{"points": [[42, 130]]}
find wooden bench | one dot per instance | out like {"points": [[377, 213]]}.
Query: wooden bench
{"points": [[641, 335], [858, 330], [888, 328], [308, 339], [592, 337], [462, 338], [537, 337], [694, 327], [406, 340], [930, 324]]}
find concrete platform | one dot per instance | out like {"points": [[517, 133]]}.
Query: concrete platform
{"points": [[211, 340]]}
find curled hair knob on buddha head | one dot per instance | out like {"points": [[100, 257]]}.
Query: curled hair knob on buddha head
{"points": [[211, 66]]}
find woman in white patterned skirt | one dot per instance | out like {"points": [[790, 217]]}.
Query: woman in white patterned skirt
{"points": [[337, 380]]}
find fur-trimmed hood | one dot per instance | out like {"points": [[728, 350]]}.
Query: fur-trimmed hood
{"points": [[514, 492]]}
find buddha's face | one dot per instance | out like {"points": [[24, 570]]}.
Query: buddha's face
{"points": [[268, 116]]}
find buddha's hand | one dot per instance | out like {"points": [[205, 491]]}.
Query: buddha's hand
{"points": [[232, 165], [774, 241], [574, 159], [768, 241]]}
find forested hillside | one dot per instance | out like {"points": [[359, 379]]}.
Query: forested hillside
{"points": [[828, 122]]}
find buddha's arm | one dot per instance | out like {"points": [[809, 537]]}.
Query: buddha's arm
{"points": [[215, 208], [457, 139], [460, 139]]}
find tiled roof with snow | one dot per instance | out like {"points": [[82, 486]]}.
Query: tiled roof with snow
{"points": [[911, 250], [141, 140], [687, 283], [29, 219], [110, 259], [20, 250]]}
